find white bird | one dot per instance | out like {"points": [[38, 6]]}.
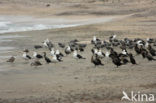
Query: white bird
{"points": [[52, 52], [38, 56], [26, 56], [147, 44], [100, 53], [54, 59], [57, 52], [77, 56], [94, 38], [139, 42], [147, 39], [124, 52], [107, 54], [68, 50], [114, 36], [95, 51], [45, 43]]}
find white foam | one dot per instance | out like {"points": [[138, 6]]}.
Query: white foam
{"points": [[34, 27], [24, 23], [4, 24]]}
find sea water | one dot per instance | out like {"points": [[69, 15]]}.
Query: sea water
{"points": [[27, 23]]}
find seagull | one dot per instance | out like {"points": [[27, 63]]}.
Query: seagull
{"points": [[45, 43], [37, 46], [95, 60], [26, 50], [147, 44], [132, 60], [68, 50], [52, 52], [77, 56], [48, 44], [94, 50], [54, 59], [61, 45], [100, 53], [140, 42], [116, 60], [95, 40], [59, 53], [114, 36], [38, 56], [123, 53], [26, 56], [46, 58], [11, 59], [36, 63], [107, 54], [152, 50]]}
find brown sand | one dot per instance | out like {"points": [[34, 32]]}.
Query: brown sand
{"points": [[73, 81]]}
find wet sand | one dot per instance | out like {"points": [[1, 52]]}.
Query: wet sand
{"points": [[73, 81]]}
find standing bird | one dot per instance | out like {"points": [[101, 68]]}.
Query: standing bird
{"points": [[36, 63], [124, 52], [107, 54], [52, 51], [26, 56], [100, 54], [26, 50], [11, 59], [59, 53], [77, 56], [137, 49], [124, 59], [116, 60], [152, 50], [38, 56], [55, 59], [149, 57], [68, 50], [48, 44], [46, 58], [61, 45], [95, 60], [37, 46], [132, 60], [95, 40], [112, 38]]}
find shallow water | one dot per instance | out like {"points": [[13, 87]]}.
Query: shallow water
{"points": [[26, 23]]}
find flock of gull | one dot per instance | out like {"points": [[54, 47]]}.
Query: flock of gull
{"points": [[145, 48]]}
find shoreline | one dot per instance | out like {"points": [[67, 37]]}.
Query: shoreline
{"points": [[28, 23]]}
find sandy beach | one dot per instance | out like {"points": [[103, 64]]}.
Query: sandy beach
{"points": [[76, 81]]}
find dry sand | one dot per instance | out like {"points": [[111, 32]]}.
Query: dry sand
{"points": [[73, 81]]}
